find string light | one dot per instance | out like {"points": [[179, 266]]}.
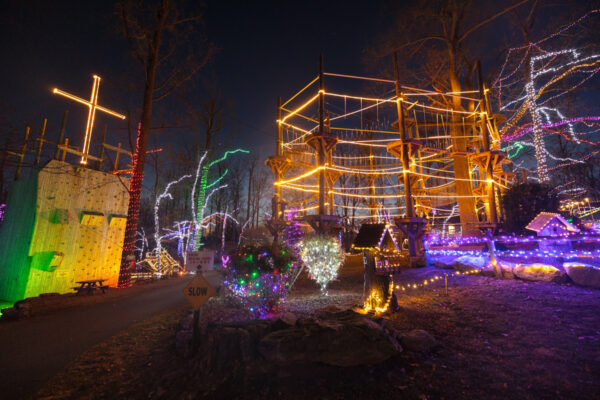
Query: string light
{"points": [[553, 66], [323, 257]]}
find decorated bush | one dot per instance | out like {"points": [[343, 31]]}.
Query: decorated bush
{"points": [[323, 257], [259, 275]]}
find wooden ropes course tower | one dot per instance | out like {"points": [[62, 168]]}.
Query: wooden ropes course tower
{"points": [[371, 149]]}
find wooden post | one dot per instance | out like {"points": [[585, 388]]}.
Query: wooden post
{"points": [[408, 202], [196, 332], [65, 150], [321, 147], [41, 143], [492, 249], [277, 203], [279, 129], [102, 149], [22, 155], [61, 134], [446, 283], [372, 182], [117, 157], [489, 172]]}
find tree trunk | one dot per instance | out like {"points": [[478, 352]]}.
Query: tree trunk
{"points": [[139, 158], [466, 205], [376, 291]]}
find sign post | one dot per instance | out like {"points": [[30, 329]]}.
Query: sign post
{"points": [[197, 292]]}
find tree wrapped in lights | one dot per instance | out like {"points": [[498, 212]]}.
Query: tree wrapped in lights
{"points": [[323, 257], [259, 276], [530, 86], [199, 199]]}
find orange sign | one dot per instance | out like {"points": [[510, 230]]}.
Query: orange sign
{"points": [[198, 291]]}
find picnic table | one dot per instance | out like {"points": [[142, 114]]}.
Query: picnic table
{"points": [[91, 286]]}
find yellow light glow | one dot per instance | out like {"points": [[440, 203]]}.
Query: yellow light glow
{"points": [[92, 104]]}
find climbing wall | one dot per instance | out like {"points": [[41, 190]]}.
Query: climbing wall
{"points": [[78, 230]]}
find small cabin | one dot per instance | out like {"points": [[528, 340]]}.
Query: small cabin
{"points": [[375, 237], [551, 225], [377, 242]]}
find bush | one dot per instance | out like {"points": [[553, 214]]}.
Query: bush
{"points": [[259, 275]]}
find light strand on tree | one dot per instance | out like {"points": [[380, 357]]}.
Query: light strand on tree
{"points": [[157, 238]]}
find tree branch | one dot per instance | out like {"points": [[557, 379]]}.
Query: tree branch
{"points": [[490, 19]]}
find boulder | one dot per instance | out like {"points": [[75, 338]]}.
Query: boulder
{"points": [[418, 340], [467, 263], [342, 338], [538, 272], [443, 262], [288, 318], [583, 274], [10, 313], [507, 269]]}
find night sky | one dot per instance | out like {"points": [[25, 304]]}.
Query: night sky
{"points": [[265, 51]]}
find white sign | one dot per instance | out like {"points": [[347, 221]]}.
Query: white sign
{"points": [[200, 261]]}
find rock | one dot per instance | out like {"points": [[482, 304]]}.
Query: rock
{"points": [[342, 338], [10, 313], [583, 274], [328, 311], [538, 272], [507, 269], [467, 263], [288, 319], [418, 340], [443, 262]]}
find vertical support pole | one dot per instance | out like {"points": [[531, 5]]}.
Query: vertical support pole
{"points": [[372, 182], [196, 332], [61, 133], [489, 172], [321, 147], [408, 203], [331, 196], [277, 171], [38, 154], [22, 155], [446, 283], [102, 149], [65, 149], [117, 156], [279, 129]]}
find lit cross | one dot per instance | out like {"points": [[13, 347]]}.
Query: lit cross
{"points": [[93, 106]]}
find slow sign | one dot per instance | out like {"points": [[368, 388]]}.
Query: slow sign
{"points": [[198, 291]]}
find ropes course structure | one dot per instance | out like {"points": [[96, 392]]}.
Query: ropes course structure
{"points": [[370, 149]]}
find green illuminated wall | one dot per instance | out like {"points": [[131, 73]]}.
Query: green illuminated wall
{"points": [[64, 225], [15, 238]]}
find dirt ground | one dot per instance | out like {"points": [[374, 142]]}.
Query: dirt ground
{"points": [[499, 339]]}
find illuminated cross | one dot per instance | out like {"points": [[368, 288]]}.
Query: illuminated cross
{"points": [[93, 106]]}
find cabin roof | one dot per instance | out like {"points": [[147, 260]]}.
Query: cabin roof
{"points": [[544, 218], [371, 235]]}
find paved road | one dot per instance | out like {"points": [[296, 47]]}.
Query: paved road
{"points": [[34, 350]]}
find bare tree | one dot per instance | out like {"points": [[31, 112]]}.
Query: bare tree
{"points": [[169, 43]]}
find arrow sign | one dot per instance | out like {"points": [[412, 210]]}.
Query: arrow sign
{"points": [[198, 291]]}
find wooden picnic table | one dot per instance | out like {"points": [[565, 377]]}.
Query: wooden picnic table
{"points": [[91, 286]]}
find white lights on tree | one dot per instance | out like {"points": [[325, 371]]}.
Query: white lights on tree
{"points": [[164, 195], [323, 257]]}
